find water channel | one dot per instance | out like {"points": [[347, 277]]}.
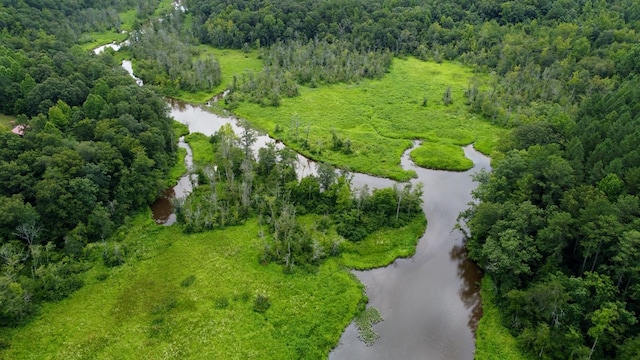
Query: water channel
{"points": [[430, 302]]}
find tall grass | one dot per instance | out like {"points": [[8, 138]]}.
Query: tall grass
{"points": [[380, 117], [202, 149], [441, 156], [193, 297]]}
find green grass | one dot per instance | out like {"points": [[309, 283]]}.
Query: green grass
{"points": [[192, 297], [201, 147], [90, 41], [127, 19], [493, 340], [143, 310], [180, 129], [5, 122], [383, 247], [231, 62], [178, 170], [380, 117], [441, 156]]}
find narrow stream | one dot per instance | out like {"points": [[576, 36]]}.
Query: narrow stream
{"points": [[430, 302]]}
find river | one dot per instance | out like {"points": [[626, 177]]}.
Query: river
{"points": [[430, 302]]}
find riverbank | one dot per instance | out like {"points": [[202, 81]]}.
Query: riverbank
{"points": [[192, 296], [155, 318], [381, 118], [493, 340]]}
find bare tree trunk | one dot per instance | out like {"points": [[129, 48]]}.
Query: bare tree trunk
{"points": [[593, 347]]}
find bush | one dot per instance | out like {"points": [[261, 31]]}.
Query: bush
{"points": [[261, 303], [113, 255], [222, 302], [188, 281]]}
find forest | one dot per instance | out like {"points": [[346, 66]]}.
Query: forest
{"points": [[555, 225], [96, 149]]}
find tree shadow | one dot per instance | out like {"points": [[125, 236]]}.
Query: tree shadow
{"points": [[469, 291]]}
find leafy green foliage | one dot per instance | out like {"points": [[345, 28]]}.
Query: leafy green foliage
{"points": [[176, 70], [554, 230], [261, 303], [365, 321]]}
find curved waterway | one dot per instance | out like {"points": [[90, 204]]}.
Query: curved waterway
{"points": [[430, 302], [199, 120]]}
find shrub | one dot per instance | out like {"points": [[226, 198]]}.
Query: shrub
{"points": [[188, 281], [221, 302], [261, 303]]}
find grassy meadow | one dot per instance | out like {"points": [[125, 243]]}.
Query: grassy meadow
{"points": [[441, 155], [5, 122], [192, 297], [202, 149], [381, 117]]}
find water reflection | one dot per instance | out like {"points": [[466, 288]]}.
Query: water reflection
{"points": [[471, 276], [430, 303], [198, 119], [163, 210]]}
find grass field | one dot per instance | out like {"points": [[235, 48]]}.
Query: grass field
{"points": [[383, 247], [92, 40], [5, 122], [192, 297], [202, 149], [441, 156], [184, 296], [381, 117]]}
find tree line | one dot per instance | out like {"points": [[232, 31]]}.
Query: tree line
{"points": [[66, 20], [165, 59], [557, 229]]}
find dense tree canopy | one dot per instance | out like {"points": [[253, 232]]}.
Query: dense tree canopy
{"points": [[557, 229], [96, 148]]}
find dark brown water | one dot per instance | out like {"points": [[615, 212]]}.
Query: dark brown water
{"points": [[162, 209], [430, 302]]}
